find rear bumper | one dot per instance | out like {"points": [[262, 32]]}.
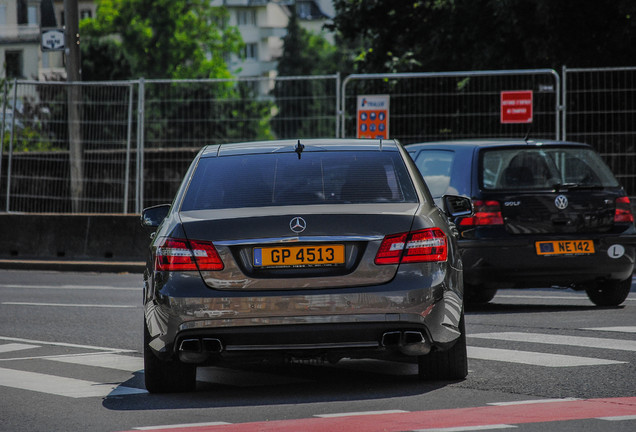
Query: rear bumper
{"points": [[409, 316], [515, 263]]}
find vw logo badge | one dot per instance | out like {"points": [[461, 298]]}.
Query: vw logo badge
{"points": [[297, 224], [561, 202]]}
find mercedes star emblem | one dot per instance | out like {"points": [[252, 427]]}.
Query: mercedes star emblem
{"points": [[298, 224]]}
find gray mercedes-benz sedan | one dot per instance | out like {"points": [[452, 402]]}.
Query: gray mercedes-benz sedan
{"points": [[316, 248]]}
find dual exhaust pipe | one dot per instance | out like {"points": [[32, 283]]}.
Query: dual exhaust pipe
{"points": [[409, 342], [197, 350]]}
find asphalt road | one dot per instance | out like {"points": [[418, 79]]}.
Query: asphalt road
{"points": [[70, 360]]}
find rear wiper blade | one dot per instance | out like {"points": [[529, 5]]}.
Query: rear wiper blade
{"points": [[568, 186]]}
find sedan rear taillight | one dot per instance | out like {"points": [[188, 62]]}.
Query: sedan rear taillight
{"points": [[486, 213], [183, 255], [623, 211], [427, 245]]}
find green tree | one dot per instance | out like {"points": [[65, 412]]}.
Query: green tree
{"points": [[161, 38], [302, 105]]}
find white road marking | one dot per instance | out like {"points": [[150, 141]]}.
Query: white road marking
{"points": [[55, 385], [15, 347], [550, 339], [618, 418], [104, 360], [626, 329], [181, 426], [359, 413], [69, 305], [63, 344], [534, 358]]}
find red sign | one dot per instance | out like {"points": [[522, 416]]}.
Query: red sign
{"points": [[516, 106]]}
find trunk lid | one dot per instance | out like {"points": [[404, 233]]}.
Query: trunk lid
{"points": [[297, 247]]}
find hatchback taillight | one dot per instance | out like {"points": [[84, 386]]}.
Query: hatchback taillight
{"points": [[623, 211], [425, 245], [183, 255], [486, 213]]}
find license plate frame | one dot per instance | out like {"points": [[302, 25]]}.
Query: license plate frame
{"points": [[328, 255], [565, 247]]}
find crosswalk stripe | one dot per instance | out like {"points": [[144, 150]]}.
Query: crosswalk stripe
{"points": [[534, 358], [69, 387], [105, 360], [624, 329], [15, 347], [550, 339]]}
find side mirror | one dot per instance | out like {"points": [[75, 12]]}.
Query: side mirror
{"points": [[457, 206], [152, 217]]}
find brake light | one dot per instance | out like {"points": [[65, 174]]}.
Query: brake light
{"points": [[427, 245], [623, 211], [183, 255], [486, 213]]}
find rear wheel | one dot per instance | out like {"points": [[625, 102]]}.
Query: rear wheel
{"points": [[166, 376], [609, 293], [451, 364]]}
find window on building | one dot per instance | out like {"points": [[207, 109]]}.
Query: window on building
{"points": [[246, 17], [13, 64], [3, 15], [250, 51], [303, 9], [32, 15], [86, 13], [22, 12]]}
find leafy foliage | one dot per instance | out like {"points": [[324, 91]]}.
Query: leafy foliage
{"points": [[438, 35], [163, 38]]}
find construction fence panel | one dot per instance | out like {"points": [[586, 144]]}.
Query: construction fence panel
{"points": [[37, 165], [600, 109], [137, 138], [456, 105], [182, 116]]}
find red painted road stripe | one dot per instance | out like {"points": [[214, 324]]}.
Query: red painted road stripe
{"points": [[445, 418]]}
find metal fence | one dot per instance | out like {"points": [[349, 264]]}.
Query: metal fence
{"points": [[456, 105], [134, 140], [600, 109]]}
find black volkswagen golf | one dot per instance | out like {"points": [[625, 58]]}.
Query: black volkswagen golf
{"points": [[547, 213], [314, 249]]}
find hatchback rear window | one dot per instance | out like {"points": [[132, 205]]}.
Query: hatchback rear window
{"points": [[278, 179], [543, 168]]}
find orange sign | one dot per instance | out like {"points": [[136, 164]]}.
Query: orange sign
{"points": [[373, 116]]}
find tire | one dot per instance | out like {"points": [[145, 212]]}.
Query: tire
{"points": [[609, 293], [166, 376], [477, 294], [451, 364]]}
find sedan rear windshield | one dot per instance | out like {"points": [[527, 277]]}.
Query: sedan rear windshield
{"points": [[278, 179], [543, 168]]}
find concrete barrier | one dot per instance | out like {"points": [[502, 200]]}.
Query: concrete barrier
{"points": [[103, 241]]}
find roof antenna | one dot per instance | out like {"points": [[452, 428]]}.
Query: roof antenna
{"points": [[528, 134], [299, 149]]}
